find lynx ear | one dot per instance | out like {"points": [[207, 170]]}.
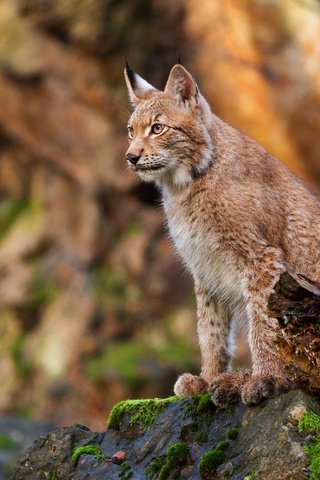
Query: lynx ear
{"points": [[138, 88], [182, 86]]}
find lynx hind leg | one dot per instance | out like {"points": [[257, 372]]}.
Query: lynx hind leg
{"points": [[268, 378], [188, 385]]}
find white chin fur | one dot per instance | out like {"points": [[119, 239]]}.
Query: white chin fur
{"points": [[179, 176], [149, 175]]}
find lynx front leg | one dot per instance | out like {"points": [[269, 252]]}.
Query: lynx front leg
{"points": [[268, 378], [213, 331]]}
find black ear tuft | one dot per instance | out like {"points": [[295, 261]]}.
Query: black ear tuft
{"points": [[131, 74], [179, 62]]}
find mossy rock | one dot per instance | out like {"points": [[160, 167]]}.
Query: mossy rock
{"points": [[150, 433], [168, 466], [233, 432], [141, 413], [200, 405], [309, 424], [211, 460], [84, 450]]}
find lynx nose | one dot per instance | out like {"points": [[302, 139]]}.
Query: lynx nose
{"points": [[132, 158]]}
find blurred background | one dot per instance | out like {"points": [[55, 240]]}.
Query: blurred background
{"points": [[95, 306]]}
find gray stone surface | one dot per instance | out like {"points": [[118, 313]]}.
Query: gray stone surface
{"points": [[268, 443], [17, 434]]}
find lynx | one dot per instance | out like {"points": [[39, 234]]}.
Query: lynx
{"points": [[238, 218]]}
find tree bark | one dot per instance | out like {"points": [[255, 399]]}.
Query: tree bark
{"points": [[297, 309]]}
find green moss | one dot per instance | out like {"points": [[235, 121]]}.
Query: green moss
{"points": [[201, 437], [201, 404], [178, 453], [191, 408], [89, 450], [125, 471], [53, 476], [226, 473], [251, 476], [6, 442], [232, 432], [205, 404], [168, 467], [155, 467], [100, 457], [85, 450], [200, 410], [142, 412], [313, 450], [309, 423], [211, 460]]}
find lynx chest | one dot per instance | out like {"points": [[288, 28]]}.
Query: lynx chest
{"points": [[194, 232]]}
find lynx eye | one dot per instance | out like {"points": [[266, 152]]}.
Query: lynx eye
{"points": [[130, 132], [157, 128]]}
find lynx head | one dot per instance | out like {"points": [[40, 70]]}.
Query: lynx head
{"points": [[168, 131]]}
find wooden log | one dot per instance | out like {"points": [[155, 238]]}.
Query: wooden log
{"points": [[297, 309]]}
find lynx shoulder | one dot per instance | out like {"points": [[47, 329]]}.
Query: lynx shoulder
{"points": [[238, 218]]}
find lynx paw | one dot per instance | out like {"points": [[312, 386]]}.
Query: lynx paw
{"points": [[188, 385], [226, 388], [258, 389]]}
